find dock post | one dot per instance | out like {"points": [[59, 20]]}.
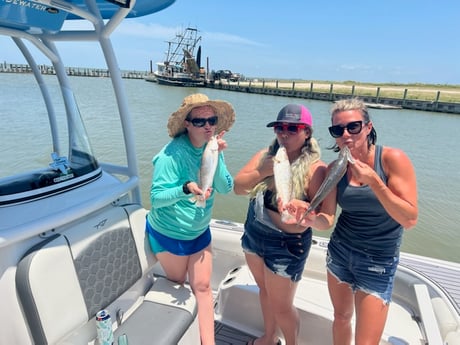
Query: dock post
{"points": [[436, 103]]}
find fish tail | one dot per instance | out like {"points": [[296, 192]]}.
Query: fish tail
{"points": [[285, 216], [200, 201], [303, 216]]}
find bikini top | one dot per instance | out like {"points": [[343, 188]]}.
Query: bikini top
{"points": [[269, 201]]}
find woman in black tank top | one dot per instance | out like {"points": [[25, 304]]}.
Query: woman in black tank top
{"points": [[378, 200]]}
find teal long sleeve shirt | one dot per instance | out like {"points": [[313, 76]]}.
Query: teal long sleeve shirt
{"points": [[173, 214]]}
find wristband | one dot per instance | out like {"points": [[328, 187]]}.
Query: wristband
{"points": [[185, 188]]}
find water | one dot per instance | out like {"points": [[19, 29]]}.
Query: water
{"points": [[427, 138]]}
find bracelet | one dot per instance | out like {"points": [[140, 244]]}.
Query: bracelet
{"points": [[185, 188]]}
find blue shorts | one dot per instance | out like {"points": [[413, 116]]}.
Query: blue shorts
{"points": [[371, 274], [283, 253], [161, 243]]}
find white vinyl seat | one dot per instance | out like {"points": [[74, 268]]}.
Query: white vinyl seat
{"points": [[64, 280]]}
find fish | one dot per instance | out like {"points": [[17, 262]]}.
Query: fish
{"points": [[207, 169], [338, 169], [283, 179]]}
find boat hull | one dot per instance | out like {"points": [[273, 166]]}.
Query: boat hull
{"points": [[180, 81]]}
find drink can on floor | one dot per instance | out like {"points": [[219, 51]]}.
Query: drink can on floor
{"points": [[104, 328]]}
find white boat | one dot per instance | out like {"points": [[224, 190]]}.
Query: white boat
{"points": [[181, 67], [72, 238]]}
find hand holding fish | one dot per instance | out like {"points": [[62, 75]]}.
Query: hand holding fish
{"points": [[297, 208], [195, 189], [362, 173], [221, 143]]}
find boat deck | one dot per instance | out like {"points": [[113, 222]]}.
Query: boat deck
{"points": [[446, 274], [226, 335]]}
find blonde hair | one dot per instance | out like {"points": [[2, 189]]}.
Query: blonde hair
{"points": [[310, 154]]}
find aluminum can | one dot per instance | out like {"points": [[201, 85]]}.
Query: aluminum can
{"points": [[123, 339], [104, 328]]}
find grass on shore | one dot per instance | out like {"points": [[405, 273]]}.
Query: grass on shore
{"points": [[415, 91]]}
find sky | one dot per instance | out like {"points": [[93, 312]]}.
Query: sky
{"points": [[391, 41]]}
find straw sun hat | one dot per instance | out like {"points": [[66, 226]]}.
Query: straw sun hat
{"points": [[223, 110]]}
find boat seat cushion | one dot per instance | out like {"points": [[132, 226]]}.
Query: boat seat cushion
{"points": [[446, 320], [452, 338], [106, 268], [173, 308], [45, 280], [102, 262]]}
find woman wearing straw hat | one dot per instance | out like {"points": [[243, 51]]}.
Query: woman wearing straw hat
{"points": [[177, 228]]}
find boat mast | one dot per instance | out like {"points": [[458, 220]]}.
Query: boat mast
{"points": [[186, 40]]}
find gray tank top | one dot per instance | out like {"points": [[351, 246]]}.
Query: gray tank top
{"points": [[363, 224]]}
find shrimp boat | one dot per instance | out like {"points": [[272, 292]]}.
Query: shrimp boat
{"points": [[72, 227], [181, 67]]}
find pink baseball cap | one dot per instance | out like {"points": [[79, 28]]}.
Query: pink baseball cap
{"points": [[293, 113]]}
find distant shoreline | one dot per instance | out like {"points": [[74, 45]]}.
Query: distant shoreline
{"points": [[430, 97], [423, 87], [417, 91], [375, 97]]}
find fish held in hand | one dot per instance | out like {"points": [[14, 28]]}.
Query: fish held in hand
{"points": [[208, 168], [338, 169], [283, 179]]}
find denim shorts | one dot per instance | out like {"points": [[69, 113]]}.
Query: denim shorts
{"points": [[371, 274], [283, 253]]}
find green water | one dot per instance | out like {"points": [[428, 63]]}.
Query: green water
{"points": [[427, 138]]}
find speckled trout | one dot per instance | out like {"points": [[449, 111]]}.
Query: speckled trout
{"points": [[208, 168], [338, 169], [283, 179]]}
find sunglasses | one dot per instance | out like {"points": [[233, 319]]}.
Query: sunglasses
{"points": [[201, 121], [291, 128], [354, 127]]}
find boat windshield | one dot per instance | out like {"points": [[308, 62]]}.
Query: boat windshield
{"points": [[42, 135], [52, 137]]}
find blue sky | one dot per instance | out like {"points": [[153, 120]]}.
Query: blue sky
{"points": [[401, 41]]}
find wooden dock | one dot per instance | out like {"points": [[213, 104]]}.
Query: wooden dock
{"points": [[72, 71]]}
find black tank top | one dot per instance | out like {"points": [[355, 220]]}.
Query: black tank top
{"points": [[364, 224]]}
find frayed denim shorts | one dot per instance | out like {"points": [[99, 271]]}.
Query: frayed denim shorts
{"points": [[283, 253], [371, 274]]}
